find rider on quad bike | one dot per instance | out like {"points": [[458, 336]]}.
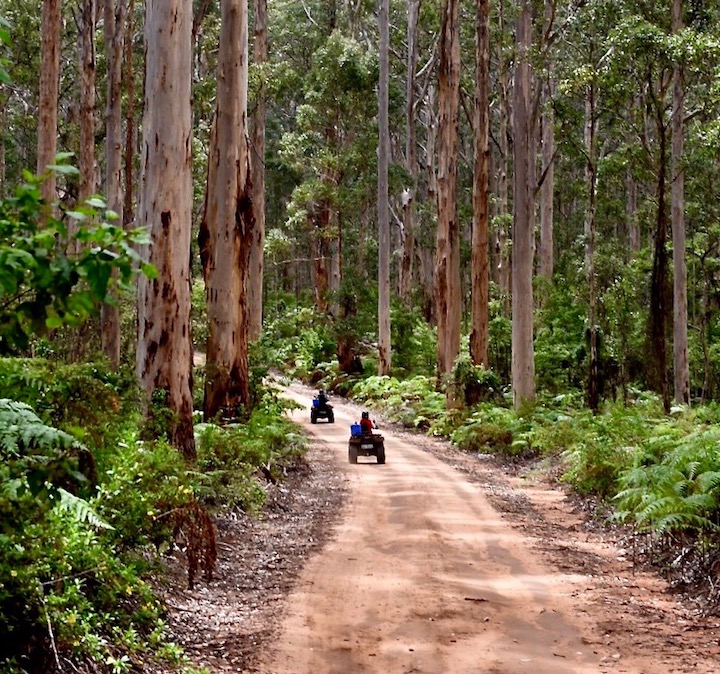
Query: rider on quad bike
{"points": [[321, 408], [366, 423]]}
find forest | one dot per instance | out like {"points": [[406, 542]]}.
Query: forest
{"points": [[492, 222]]}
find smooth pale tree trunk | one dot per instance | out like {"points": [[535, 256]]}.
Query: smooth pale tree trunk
{"points": [[523, 355], [164, 354], [49, 88], [481, 182], [593, 393], [409, 197], [114, 27], [129, 78], [227, 227], [447, 276], [257, 165], [681, 365], [547, 191], [383, 206]]}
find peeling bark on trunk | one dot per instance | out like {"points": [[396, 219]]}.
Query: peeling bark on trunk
{"points": [[447, 278], [481, 181], [257, 164], [49, 88], [227, 226], [164, 355]]}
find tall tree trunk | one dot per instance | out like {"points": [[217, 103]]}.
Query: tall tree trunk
{"points": [[86, 156], [632, 223], [227, 225], [502, 250], [410, 195], [523, 355], [49, 88], [384, 353], [659, 288], [681, 366], [320, 223], [257, 165], [547, 191], [114, 28], [447, 278], [424, 254], [164, 354], [481, 182], [129, 117], [593, 394]]}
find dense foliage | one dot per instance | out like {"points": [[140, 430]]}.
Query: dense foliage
{"points": [[88, 509]]}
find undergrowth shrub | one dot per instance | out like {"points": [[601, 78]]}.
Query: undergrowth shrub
{"points": [[62, 582], [673, 486], [412, 402], [298, 342], [235, 462], [473, 382], [607, 445], [89, 400]]}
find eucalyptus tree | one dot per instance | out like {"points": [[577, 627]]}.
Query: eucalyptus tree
{"points": [[86, 113], [681, 368], [226, 231], [523, 357], [164, 353], [447, 273], [48, 94], [114, 32], [257, 164], [481, 182], [384, 352], [410, 193]]}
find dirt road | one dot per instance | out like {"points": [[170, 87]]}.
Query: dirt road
{"points": [[424, 574]]}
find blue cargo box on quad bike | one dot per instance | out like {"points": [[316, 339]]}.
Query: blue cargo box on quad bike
{"points": [[366, 444]]}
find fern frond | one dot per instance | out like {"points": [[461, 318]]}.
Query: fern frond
{"points": [[80, 509]]}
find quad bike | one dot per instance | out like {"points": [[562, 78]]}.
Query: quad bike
{"points": [[365, 444], [321, 410]]}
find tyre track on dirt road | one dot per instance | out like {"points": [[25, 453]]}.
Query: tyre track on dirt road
{"points": [[424, 575]]}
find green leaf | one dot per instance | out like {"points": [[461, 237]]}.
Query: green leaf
{"points": [[64, 169]]}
